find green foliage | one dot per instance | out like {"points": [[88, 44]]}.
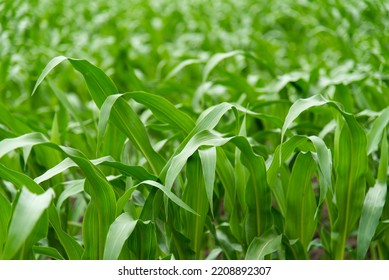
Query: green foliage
{"points": [[189, 130]]}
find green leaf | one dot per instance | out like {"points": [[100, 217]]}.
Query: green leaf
{"points": [[5, 217], [123, 199], [177, 163], [39, 232], [12, 122], [71, 188], [91, 234], [264, 245], [60, 167], [162, 109], [350, 163], [323, 160], [258, 196], [76, 114], [371, 213], [230, 249], [208, 163], [195, 196], [170, 195], [374, 204], [137, 172], [282, 153], [181, 66], [98, 188], [180, 245], [28, 209], [298, 107], [72, 248], [300, 221], [123, 116], [50, 66], [118, 233], [374, 135], [101, 193], [294, 250], [142, 243], [215, 60], [25, 140], [226, 174], [48, 251], [382, 175], [206, 121]]}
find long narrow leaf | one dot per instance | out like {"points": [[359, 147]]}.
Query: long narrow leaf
{"points": [[374, 135], [300, 222], [118, 233], [208, 163], [374, 204], [29, 207], [5, 217], [264, 245], [195, 196], [124, 117]]}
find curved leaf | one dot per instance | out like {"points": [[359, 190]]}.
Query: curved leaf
{"points": [[264, 245], [124, 117], [28, 209], [118, 233]]}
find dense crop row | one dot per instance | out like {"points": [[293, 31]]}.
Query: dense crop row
{"points": [[223, 130]]}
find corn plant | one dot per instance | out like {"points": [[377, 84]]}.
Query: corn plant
{"points": [[228, 149]]}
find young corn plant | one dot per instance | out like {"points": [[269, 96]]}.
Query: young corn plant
{"points": [[210, 194]]}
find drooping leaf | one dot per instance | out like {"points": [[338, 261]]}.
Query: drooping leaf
{"points": [[48, 252], [350, 154], [123, 116], [215, 60], [98, 188], [264, 245]]}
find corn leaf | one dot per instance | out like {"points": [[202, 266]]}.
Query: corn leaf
{"points": [[142, 243], [28, 209], [5, 217], [195, 195], [124, 117], [72, 248], [208, 163], [264, 245], [373, 205], [350, 163], [118, 233], [48, 252], [300, 222], [374, 135], [215, 60]]}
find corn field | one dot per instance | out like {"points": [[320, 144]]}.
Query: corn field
{"points": [[230, 130]]}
